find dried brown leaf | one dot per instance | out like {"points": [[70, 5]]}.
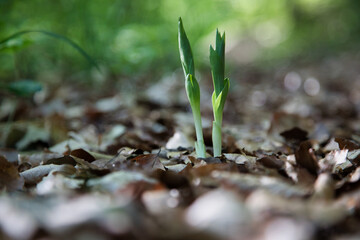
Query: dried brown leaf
{"points": [[148, 162], [295, 134], [306, 158], [9, 176], [81, 153], [272, 162], [347, 143], [207, 169], [61, 160]]}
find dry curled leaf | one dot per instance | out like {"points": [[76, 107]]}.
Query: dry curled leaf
{"points": [[306, 158], [272, 162], [61, 160], [148, 162], [347, 143], [81, 153], [34, 175]]}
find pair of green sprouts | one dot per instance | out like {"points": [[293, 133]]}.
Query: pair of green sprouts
{"points": [[221, 88]]}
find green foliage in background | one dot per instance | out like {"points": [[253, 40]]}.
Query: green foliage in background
{"points": [[136, 38], [9, 44]]}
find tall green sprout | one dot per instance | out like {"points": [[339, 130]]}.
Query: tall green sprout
{"points": [[221, 88], [192, 87]]}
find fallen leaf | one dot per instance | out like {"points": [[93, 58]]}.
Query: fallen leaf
{"points": [[306, 158], [272, 162], [248, 183], [347, 144], [300, 175], [324, 187], [15, 222], [355, 176], [176, 167], [61, 160], [38, 158], [285, 227], [179, 139], [245, 163], [354, 156], [220, 212], [10, 154], [63, 147], [116, 181], [149, 162], [81, 153], [319, 212], [172, 179], [295, 134], [160, 201], [34, 175], [207, 169], [58, 184], [9, 176], [82, 210], [331, 145], [33, 134], [111, 135]]}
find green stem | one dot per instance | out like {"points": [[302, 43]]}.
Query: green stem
{"points": [[199, 144], [216, 135]]}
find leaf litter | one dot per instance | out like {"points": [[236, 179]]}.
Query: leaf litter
{"points": [[106, 167]]}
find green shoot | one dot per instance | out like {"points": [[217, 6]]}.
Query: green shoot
{"points": [[221, 88], [192, 87]]}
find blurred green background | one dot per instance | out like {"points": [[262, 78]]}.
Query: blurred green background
{"points": [[137, 39]]}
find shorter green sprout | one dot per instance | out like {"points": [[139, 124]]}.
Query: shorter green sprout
{"points": [[221, 89], [192, 87]]}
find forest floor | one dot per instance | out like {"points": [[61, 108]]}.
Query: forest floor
{"points": [[79, 165]]}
